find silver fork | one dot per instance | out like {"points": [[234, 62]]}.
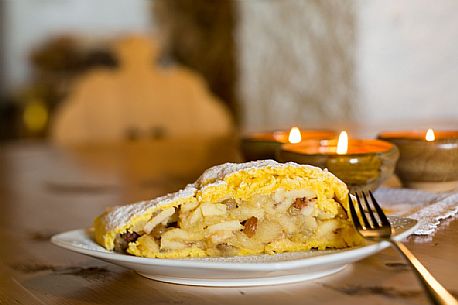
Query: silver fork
{"points": [[378, 229]]}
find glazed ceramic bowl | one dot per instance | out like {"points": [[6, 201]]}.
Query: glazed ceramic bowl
{"points": [[426, 165], [367, 165], [264, 145]]}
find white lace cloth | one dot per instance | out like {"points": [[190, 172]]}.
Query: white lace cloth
{"points": [[427, 208]]}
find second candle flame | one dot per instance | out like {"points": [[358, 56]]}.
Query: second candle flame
{"points": [[430, 136], [342, 144], [294, 136]]}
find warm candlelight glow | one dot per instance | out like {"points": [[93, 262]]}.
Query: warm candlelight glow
{"points": [[430, 136], [342, 145], [294, 136]]}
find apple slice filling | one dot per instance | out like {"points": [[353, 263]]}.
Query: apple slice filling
{"points": [[235, 227]]}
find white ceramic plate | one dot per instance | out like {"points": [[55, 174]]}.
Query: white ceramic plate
{"points": [[235, 271]]}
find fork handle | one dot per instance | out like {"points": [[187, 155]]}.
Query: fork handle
{"points": [[436, 293]]}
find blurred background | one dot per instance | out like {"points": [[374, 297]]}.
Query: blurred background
{"points": [[89, 70]]}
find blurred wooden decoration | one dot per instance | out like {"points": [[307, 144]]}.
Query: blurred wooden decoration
{"points": [[200, 34], [139, 100]]}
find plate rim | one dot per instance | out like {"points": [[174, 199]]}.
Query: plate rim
{"points": [[59, 240]]}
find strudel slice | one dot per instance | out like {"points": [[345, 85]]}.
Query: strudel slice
{"points": [[236, 209]]}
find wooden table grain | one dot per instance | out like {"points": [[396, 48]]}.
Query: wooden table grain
{"points": [[45, 190]]}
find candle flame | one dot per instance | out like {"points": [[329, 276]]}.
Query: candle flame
{"points": [[342, 144], [430, 136], [294, 136]]}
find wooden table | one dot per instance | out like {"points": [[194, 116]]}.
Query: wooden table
{"points": [[46, 190]]}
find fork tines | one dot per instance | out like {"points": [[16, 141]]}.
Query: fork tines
{"points": [[375, 222]]}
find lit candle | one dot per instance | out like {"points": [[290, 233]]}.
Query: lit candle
{"points": [[363, 164], [342, 143], [264, 145], [428, 159], [294, 136], [430, 136]]}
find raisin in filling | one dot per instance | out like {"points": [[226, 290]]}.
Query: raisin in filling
{"points": [[122, 241]]}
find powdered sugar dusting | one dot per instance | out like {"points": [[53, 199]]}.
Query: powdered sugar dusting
{"points": [[220, 172], [120, 215], [216, 174]]}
